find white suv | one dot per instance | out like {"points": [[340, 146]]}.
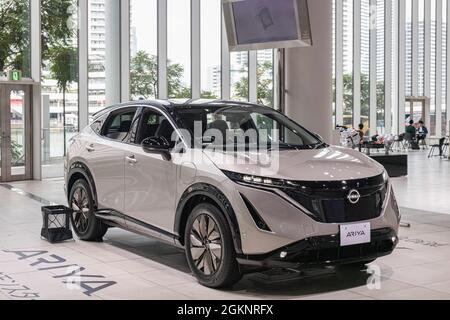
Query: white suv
{"points": [[241, 187]]}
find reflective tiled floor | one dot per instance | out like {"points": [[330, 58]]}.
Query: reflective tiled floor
{"points": [[128, 266]]}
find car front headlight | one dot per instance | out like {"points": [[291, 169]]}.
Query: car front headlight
{"points": [[250, 179]]}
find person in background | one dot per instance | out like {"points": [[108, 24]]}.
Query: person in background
{"points": [[422, 133], [411, 130], [361, 136]]}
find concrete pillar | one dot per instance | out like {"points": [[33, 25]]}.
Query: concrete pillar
{"points": [[309, 74], [112, 65]]}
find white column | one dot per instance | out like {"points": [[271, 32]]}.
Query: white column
{"points": [[196, 49], [112, 65], [35, 18], [401, 65], [83, 81], [356, 63], [308, 75], [415, 47], [373, 67], [395, 68], [226, 81], [339, 62], [388, 65], [448, 69], [427, 81], [125, 50], [438, 67], [162, 50]]}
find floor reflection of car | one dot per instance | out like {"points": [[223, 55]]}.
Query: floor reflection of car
{"points": [[148, 168]]}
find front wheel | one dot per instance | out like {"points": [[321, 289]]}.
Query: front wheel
{"points": [[86, 226], [209, 248]]}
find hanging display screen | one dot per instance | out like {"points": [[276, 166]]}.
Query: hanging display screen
{"points": [[265, 24]]}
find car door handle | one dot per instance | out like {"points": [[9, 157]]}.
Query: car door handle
{"points": [[131, 159], [90, 148]]}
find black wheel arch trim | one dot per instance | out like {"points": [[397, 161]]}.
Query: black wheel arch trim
{"points": [[81, 168], [211, 192]]}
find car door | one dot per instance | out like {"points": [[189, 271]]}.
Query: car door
{"points": [[150, 179], [106, 158]]}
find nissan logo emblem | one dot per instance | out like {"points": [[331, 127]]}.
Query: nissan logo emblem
{"points": [[354, 196]]}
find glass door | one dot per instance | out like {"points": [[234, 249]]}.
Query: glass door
{"points": [[15, 125]]}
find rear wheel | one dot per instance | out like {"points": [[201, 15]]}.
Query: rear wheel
{"points": [[209, 248], [86, 226]]}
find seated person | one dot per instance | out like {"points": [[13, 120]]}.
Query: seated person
{"points": [[422, 132], [411, 130]]}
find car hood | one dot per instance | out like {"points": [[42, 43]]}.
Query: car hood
{"points": [[328, 164]]}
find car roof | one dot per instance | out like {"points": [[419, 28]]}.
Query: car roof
{"points": [[169, 105]]}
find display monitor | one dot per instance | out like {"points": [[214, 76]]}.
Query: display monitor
{"points": [[266, 24]]}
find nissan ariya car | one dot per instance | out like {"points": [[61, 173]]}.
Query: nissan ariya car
{"points": [[240, 187]]}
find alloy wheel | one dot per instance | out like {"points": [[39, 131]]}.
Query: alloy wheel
{"points": [[206, 245], [81, 208]]}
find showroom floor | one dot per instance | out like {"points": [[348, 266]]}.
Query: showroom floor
{"points": [[128, 266]]}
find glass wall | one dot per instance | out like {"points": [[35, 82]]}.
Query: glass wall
{"points": [[415, 52], [239, 76], [380, 78], [366, 24], [265, 77], [143, 49], [179, 49], [60, 99], [444, 120], [211, 49], [348, 63], [15, 53], [96, 55]]}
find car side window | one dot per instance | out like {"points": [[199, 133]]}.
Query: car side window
{"points": [[119, 123], [97, 125], [154, 124]]}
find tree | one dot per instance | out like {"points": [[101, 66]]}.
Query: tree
{"points": [[15, 31], [14, 35], [64, 69], [144, 78], [206, 94], [365, 96], [264, 75]]}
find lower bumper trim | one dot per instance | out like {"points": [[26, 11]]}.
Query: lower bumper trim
{"points": [[324, 251]]}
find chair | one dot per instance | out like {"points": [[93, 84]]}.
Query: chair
{"points": [[399, 143], [445, 148], [439, 146], [408, 140]]}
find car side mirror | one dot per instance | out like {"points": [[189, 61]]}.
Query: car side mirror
{"points": [[157, 145]]}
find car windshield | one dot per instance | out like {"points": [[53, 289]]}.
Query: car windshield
{"points": [[245, 126]]}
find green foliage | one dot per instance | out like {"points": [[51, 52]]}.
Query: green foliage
{"points": [[144, 78], [64, 66], [264, 74], [15, 30], [365, 96], [208, 95], [14, 34]]}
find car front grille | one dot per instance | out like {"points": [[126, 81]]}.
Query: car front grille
{"points": [[328, 201]]}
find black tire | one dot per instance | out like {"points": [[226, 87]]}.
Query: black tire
{"points": [[222, 274], [84, 223]]}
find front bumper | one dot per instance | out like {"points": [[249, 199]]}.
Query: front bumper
{"points": [[324, 251]]}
